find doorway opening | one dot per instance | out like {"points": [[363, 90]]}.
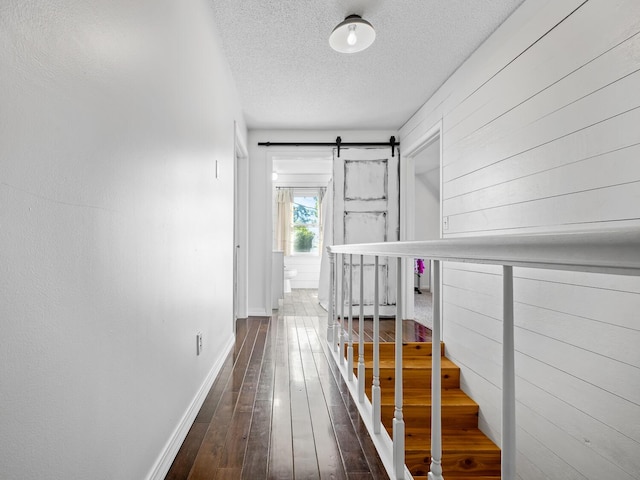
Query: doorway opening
{"points": [[240, 227], [421, 214], [299, 196]]}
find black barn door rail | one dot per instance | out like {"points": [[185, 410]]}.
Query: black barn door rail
{"points": [[338, 143]]}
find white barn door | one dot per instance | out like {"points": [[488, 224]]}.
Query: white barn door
{"points": [[367, 209]]}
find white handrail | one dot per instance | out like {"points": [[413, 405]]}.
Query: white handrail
{"points": [[611, 251], [615, 251]]}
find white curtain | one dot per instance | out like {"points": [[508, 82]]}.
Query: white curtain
{"points": [[284, 200], [326, 209]]}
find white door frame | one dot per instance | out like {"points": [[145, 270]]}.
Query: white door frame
{"points": [[240, 226], [407, 207], [271, 153]]}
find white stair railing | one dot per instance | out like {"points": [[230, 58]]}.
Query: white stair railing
{"points": [[605, 251]]}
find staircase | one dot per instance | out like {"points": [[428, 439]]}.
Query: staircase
{"points": [[466, 452]]}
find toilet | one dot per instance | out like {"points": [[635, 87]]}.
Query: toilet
{"points": [[289, 273]]}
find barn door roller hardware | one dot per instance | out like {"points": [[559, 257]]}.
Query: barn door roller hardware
{"points": [[338, 144]]}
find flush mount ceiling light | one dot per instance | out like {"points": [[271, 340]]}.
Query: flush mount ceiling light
{"points": [[352, 35]]}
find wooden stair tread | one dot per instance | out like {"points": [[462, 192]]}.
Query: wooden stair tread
{"points": [[452, 441], [409, 349], [422, 397], [422, 363], [450, 398]]}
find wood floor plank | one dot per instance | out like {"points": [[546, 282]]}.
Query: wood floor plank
{"points": [[209, 453], [256, 459], [252, 374], [213, 397], [267, 372], [281, 451], [236, 442], [257, 453], [226, 474], [186, 456], [305, 461], [412, 331], [329, 456]]}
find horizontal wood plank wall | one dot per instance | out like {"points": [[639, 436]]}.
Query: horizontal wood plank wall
{"points": [[541, 133], [308, 267]]}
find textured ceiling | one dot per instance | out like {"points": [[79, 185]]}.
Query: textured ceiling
{"points": [[289, 77]]}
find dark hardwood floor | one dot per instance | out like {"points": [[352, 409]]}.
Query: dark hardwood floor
{"points": [[412, 331], [279, 408]]}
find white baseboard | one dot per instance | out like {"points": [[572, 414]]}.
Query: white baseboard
{"points": [[169, 452], [259, 313]]}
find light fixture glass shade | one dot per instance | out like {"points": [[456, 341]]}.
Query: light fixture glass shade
{"points": [[352, 35]]}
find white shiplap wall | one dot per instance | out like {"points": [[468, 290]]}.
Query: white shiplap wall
{"points": [[541, 132], [308, 267]]}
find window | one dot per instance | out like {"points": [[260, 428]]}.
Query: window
{"points": [[306, 223]]}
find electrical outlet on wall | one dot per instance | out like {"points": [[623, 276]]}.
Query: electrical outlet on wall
{"points": [[198, 343]]}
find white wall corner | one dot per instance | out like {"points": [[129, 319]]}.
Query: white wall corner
{"points": [[169, 452]]}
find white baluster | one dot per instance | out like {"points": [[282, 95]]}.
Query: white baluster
{"points": [[361, 335], [508, 378], [398, 420], [336, 323], [375, 387], [436, 376], [350, 341], [341, 344], [330, 315]]}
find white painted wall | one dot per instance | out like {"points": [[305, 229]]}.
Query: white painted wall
{"points": [[115, 235], [260, 187], [540, 131]]}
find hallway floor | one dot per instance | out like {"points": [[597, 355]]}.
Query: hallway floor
{"points": [[279, 409]]}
